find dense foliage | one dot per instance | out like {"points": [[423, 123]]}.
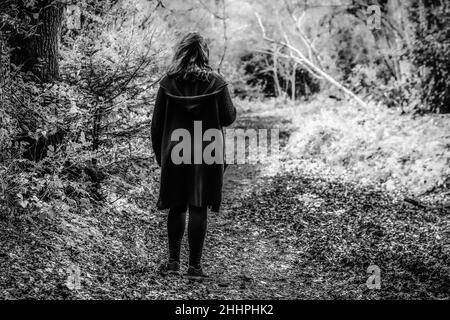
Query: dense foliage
{"points": [[61, 139], [431, 52]]}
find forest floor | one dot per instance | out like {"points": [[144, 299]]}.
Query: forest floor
{"points": [[285, 232]]}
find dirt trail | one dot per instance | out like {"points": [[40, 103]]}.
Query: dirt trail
{"points": [[245, 260], [249, 259]]}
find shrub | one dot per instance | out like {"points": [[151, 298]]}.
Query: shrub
{"points": [[431, 55], [375, 145]]}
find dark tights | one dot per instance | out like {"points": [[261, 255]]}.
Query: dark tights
{"points": [[196, 232]]}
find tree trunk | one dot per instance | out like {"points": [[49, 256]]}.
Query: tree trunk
{"points": [[294, 68], [4, 66], [39, 53], [4, 71], [275, 72]]}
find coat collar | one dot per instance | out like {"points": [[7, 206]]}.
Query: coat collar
{"points": [[215, 85]]}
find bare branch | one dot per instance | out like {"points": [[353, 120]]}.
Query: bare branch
{"points": [[300, 57], [225, 35], [210, 11], [309, 44]]}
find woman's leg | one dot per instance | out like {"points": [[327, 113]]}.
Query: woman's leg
{"points": [[196, 234], [176, 222]]}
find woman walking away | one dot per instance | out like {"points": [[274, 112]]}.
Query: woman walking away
{"points": [[191, 100]]}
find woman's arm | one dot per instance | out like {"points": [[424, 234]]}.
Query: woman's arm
{"points": [[227, 111], [158, 124]]}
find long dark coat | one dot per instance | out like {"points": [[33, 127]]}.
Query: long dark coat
{"points": [[178, 104]]}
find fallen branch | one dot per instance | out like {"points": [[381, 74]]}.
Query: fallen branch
{"points": [[304, 60], [280, 55]]}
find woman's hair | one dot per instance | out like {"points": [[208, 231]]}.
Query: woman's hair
{"points": [[191, 59]]}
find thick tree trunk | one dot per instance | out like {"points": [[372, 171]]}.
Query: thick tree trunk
{"points": [[46, 44], [39, 53], [4, 65]]}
